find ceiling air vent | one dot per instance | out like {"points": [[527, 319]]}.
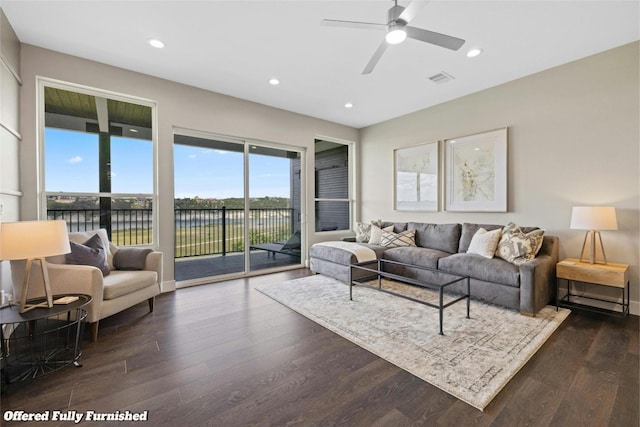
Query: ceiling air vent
{"points": [[441, 78]]}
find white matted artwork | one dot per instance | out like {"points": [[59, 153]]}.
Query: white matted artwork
{"points": [[476, 172], [416, 178]]}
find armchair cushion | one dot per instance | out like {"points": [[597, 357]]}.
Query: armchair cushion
{"points": [[92, 252], [123, 282], [127, 258]]}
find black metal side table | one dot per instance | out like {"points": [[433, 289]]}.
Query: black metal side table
{"points": [[42, 340]]}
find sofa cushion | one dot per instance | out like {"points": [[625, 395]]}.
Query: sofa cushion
{"points": [[478, 267], [469, 230], [423, 257], [363, 230], [485, 242], [397, 240], [442, 237], [123, 282], [398, 227], [128, 258], [92, 252], [517, 246], [376, 234]]}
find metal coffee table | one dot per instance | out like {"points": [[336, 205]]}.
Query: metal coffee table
{"points": [[436, 280]]}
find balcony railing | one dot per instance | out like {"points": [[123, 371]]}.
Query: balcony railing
{"points": [[197, 231]]}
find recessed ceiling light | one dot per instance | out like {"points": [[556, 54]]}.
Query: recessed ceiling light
{"points": [[472, 53], [348, 105], [156, 43], [274, 81]]}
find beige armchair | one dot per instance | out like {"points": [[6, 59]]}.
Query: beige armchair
{"points": [[110, 294]]}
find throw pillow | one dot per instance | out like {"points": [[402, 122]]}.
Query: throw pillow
{"points": [[485, 242], [390, 239], [518, 247], [363, 230], [127, 258], [376, 233], [91, 252]]}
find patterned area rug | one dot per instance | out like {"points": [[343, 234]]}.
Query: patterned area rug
{"points": [[474, 359]]}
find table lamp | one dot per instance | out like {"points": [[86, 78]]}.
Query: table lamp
{"points": [[33, 241], [593, 219]]}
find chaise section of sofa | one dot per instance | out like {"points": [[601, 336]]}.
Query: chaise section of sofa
{"points": [[527, 287]]}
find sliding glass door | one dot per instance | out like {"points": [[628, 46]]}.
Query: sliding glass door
{"points": [[237, 207]]}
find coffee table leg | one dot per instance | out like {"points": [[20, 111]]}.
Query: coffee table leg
{"points": [[468, 295], [441, 309], [350, 283]]}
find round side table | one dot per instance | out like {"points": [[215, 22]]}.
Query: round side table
{"points": [[42, 340]]}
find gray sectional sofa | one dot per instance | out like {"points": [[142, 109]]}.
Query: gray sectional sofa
{"points": [[527, 287]]}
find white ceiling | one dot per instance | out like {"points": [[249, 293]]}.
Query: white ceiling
{"points": [[235, 47]]}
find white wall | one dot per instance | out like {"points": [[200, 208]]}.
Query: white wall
{"points": [[178, 106], [9, 133], [573, 140]]}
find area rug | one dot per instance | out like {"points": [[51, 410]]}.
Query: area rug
{"points": [[473, 360]]}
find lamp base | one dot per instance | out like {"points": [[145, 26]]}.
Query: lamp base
{"points": [[592, 235], [24, 307]]}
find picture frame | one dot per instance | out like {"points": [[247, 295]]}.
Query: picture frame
{"points": [[476, 172], [416, 177]]}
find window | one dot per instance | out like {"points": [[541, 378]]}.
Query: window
{"points": [[333, 191], [98, 163]]}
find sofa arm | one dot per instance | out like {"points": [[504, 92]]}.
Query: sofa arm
{"points": [[537, 278]]}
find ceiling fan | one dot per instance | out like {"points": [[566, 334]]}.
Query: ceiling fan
{"points": [[398, 18]]}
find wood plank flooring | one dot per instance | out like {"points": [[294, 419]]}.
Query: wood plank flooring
{"points": [[226, 355]]}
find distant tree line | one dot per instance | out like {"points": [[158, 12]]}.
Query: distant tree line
{"points": [[82, 203]]}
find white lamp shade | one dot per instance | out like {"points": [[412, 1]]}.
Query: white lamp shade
{"points": [[594, 218], [33, 239]]}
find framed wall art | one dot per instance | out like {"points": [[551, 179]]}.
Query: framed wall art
{"points": [[416, 178], [476, 172]]}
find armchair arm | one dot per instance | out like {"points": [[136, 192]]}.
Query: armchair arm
{"points": [[64, 279], [153, 262]]}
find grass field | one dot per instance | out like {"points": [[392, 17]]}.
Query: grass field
{"points": [[203, 240]]}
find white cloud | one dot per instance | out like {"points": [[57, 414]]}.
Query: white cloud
{"points": [[76, 159]]}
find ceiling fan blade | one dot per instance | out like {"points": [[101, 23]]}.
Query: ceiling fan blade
{"points": [[353, 24], [412, 10], [375, 58], [437, 39]]}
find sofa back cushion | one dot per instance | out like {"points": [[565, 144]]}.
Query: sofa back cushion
{"points": [[442, 237], [398, 227]]}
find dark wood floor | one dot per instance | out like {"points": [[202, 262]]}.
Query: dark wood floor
{"points": [[226, 355]]}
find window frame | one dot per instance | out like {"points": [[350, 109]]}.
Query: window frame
{"points": [[352, 186], [41, 83]]}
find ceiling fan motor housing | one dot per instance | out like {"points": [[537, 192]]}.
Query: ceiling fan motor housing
{"points": [[393, 16]]}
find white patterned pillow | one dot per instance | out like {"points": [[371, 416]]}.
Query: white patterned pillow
{"points": [[376, 233], [363, 230], [390, 239], [485, 242], [518, 247]]}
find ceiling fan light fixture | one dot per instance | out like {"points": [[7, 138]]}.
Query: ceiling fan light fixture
{"points": [[396, 34], [472, 53]]}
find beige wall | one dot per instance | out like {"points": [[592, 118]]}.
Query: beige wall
{"points": [[573, 140], [178, 106]]}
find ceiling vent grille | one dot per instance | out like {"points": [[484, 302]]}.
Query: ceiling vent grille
{"points": [[441, 78]]}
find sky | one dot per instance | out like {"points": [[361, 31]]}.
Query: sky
{"points": [[71, 165]]}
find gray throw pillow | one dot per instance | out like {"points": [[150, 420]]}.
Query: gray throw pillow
{"points": [[92, 252], [131, 258]]}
